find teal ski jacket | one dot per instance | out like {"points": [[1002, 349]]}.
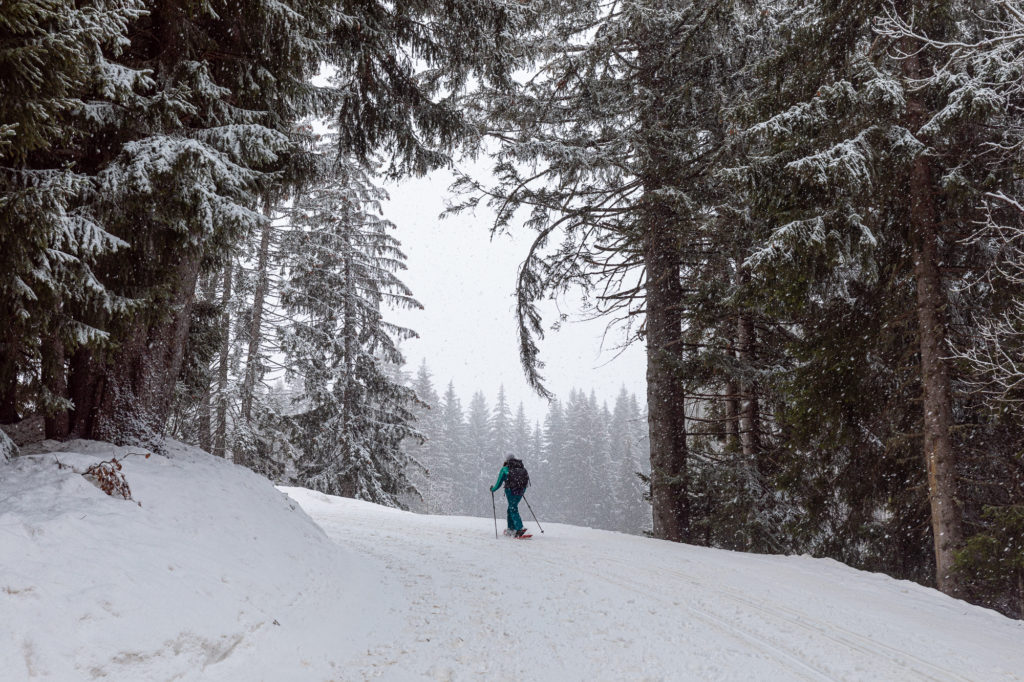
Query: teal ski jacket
{"points": [[502, 475]]}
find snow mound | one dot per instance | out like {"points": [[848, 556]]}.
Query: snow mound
{"points": [[207, 573]]}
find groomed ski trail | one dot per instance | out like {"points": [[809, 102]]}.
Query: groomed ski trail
{"points": [[581, 604]]}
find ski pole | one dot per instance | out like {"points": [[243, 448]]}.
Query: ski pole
{"points": [[495, 510], [531, 512]]}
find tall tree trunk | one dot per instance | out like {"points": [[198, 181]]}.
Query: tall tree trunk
{"points": [[205, 408], [8, 385], [666, 399], [750, 412], [206, 421], [732, 416], [348, 485], [252, 364], [935, 384], [13, 334], [1020, 592], [660, 227], [85, 388], [732, 387], [252, 360], [221, 434], [939, 454], [126, 398], [55, 379]]}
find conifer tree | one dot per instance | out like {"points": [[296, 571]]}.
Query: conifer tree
{"points": [[255, 362], [434, 483], [54, 69], [180, 163], [576, 472], [521, 434], [551, 482], [631, 513], [481, 462], [340, 281], [536, 449], [452, 440], [605, 500], [562, 451], [501, 442]]}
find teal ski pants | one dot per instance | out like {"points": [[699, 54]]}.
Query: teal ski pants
{"points": [[512, 516]]}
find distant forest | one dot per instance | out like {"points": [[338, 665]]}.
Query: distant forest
{"points": [[587, 461]]}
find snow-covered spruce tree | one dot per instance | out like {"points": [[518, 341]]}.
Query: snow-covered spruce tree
{"points": [[237, 414], [432, 476], [535, 451], [501, 433], [254, 332], [453, 440], [606, 501], [256, 425], [555, 473], [574, 474], [611, 147], [51, 59], [521, 435], [571, 481], [340, 277], [191, 419], [813, 261], [481, 463], [629, 458], [800, 470]]}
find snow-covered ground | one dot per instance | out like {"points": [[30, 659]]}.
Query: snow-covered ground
{"points": [[218, 576]]}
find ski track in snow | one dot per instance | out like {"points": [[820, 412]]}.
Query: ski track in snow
{"points": [[772, 637], [574, 604]]}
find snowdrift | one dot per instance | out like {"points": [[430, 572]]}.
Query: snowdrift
{"points": [[208, 573]]}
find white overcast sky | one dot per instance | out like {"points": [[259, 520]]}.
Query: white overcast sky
{"points": [[467, 331]]}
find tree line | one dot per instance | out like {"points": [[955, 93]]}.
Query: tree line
{"points": [[587, 462], [809, 211]]}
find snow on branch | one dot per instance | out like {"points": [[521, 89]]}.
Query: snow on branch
{"points": [[846, 164]]}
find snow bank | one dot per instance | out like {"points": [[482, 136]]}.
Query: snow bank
{"points": [[208, 573]]}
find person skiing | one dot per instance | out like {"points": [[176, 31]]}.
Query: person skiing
{"points": [[513, 475]]}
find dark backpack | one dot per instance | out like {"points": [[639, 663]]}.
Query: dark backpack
{"points": [[517, 479]]}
